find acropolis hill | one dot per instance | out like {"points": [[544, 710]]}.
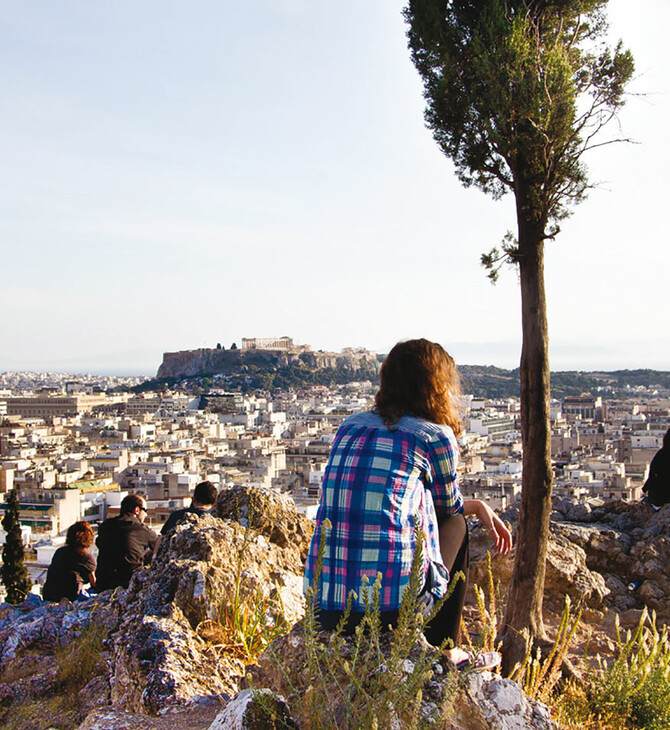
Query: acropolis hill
{"points": [[269, 353]]}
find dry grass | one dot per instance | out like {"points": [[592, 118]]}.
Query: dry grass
{"points": [[248, 619], [79, 662]]}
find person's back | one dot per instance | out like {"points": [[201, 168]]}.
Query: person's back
{"points": [[204, 497], [71, 566], [123, 542]]}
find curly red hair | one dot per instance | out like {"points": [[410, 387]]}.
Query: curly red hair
{"points": [[79, 536], [420, 378]]}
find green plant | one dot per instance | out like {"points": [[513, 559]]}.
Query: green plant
{"points": [[246, 624], [488, 616], [633, 689], [539, 675], [373, 678], [13, 572]]}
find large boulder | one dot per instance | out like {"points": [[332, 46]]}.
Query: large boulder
{"points": [[161, 655], [165, 652], [273, 515]]}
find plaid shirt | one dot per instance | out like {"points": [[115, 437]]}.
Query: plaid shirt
{"points": [[377, 484]]}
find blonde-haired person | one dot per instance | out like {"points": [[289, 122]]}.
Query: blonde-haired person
{"points": [[389, 470]]}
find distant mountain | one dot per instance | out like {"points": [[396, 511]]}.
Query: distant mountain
{"points": [[245, 370], [492, 382]]}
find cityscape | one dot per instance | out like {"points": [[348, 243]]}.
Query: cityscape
{"points": [[74, 446], [209, 523]]}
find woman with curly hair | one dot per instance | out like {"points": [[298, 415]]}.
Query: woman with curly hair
{"points": [[392, 471], [71, 566]]}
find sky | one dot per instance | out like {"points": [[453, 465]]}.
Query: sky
{"points": [[181, 174]]}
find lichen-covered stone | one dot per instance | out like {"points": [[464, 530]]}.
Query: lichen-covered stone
{"points": [[159, 655], [255, 710]]}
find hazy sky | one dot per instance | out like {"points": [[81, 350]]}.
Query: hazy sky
{"points": [[177, 174]]}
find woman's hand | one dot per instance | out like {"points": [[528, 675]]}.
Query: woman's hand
{"points": [[491, 521]]}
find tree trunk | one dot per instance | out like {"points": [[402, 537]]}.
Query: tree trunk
{"points": [[524, 602]]}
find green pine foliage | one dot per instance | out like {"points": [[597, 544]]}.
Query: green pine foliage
{"points": [[14, 573]]}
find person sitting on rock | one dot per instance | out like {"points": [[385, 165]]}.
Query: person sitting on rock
{"points": [[392, 471], [204, 498], [71, 566], [124, 543], [657, 486]]}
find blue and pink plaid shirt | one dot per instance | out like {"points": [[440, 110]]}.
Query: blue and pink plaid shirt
{"points": [[377, 484]]}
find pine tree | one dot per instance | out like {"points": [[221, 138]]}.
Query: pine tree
{"points": [[14, 573], [517, 92]]}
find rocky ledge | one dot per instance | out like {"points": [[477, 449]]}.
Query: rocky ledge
{"points": [[157, 664]]}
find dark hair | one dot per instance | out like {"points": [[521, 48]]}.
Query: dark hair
{"points": [[205, 493], [129, 502], [420, 378], [79, 536], [666, 440]]}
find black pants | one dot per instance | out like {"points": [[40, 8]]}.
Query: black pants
{"points": [[446, 624]]}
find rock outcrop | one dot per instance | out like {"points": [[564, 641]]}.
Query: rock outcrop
{"points": [[159, 666], [613, 558], [159, 655], [168, 609], [208, 361]]}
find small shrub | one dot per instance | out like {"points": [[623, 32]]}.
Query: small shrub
{"points": [[634, 687], [539, 676], [245, 625], [373, 679]]}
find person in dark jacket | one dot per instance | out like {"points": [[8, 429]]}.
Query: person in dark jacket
{"points": [[204, 498], [657, 486], [71, 566], [123, 544]]}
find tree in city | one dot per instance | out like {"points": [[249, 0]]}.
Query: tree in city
{"points": [[516, 92], [14, 573]]}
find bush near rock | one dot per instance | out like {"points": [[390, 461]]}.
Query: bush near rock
{"points": [[450, 700]]}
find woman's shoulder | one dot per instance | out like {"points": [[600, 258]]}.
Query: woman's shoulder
{"points": [[424, 429], [371, 419], [418, 427]]}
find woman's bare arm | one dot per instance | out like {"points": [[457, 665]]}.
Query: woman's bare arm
{"points": [[491, 521]]}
